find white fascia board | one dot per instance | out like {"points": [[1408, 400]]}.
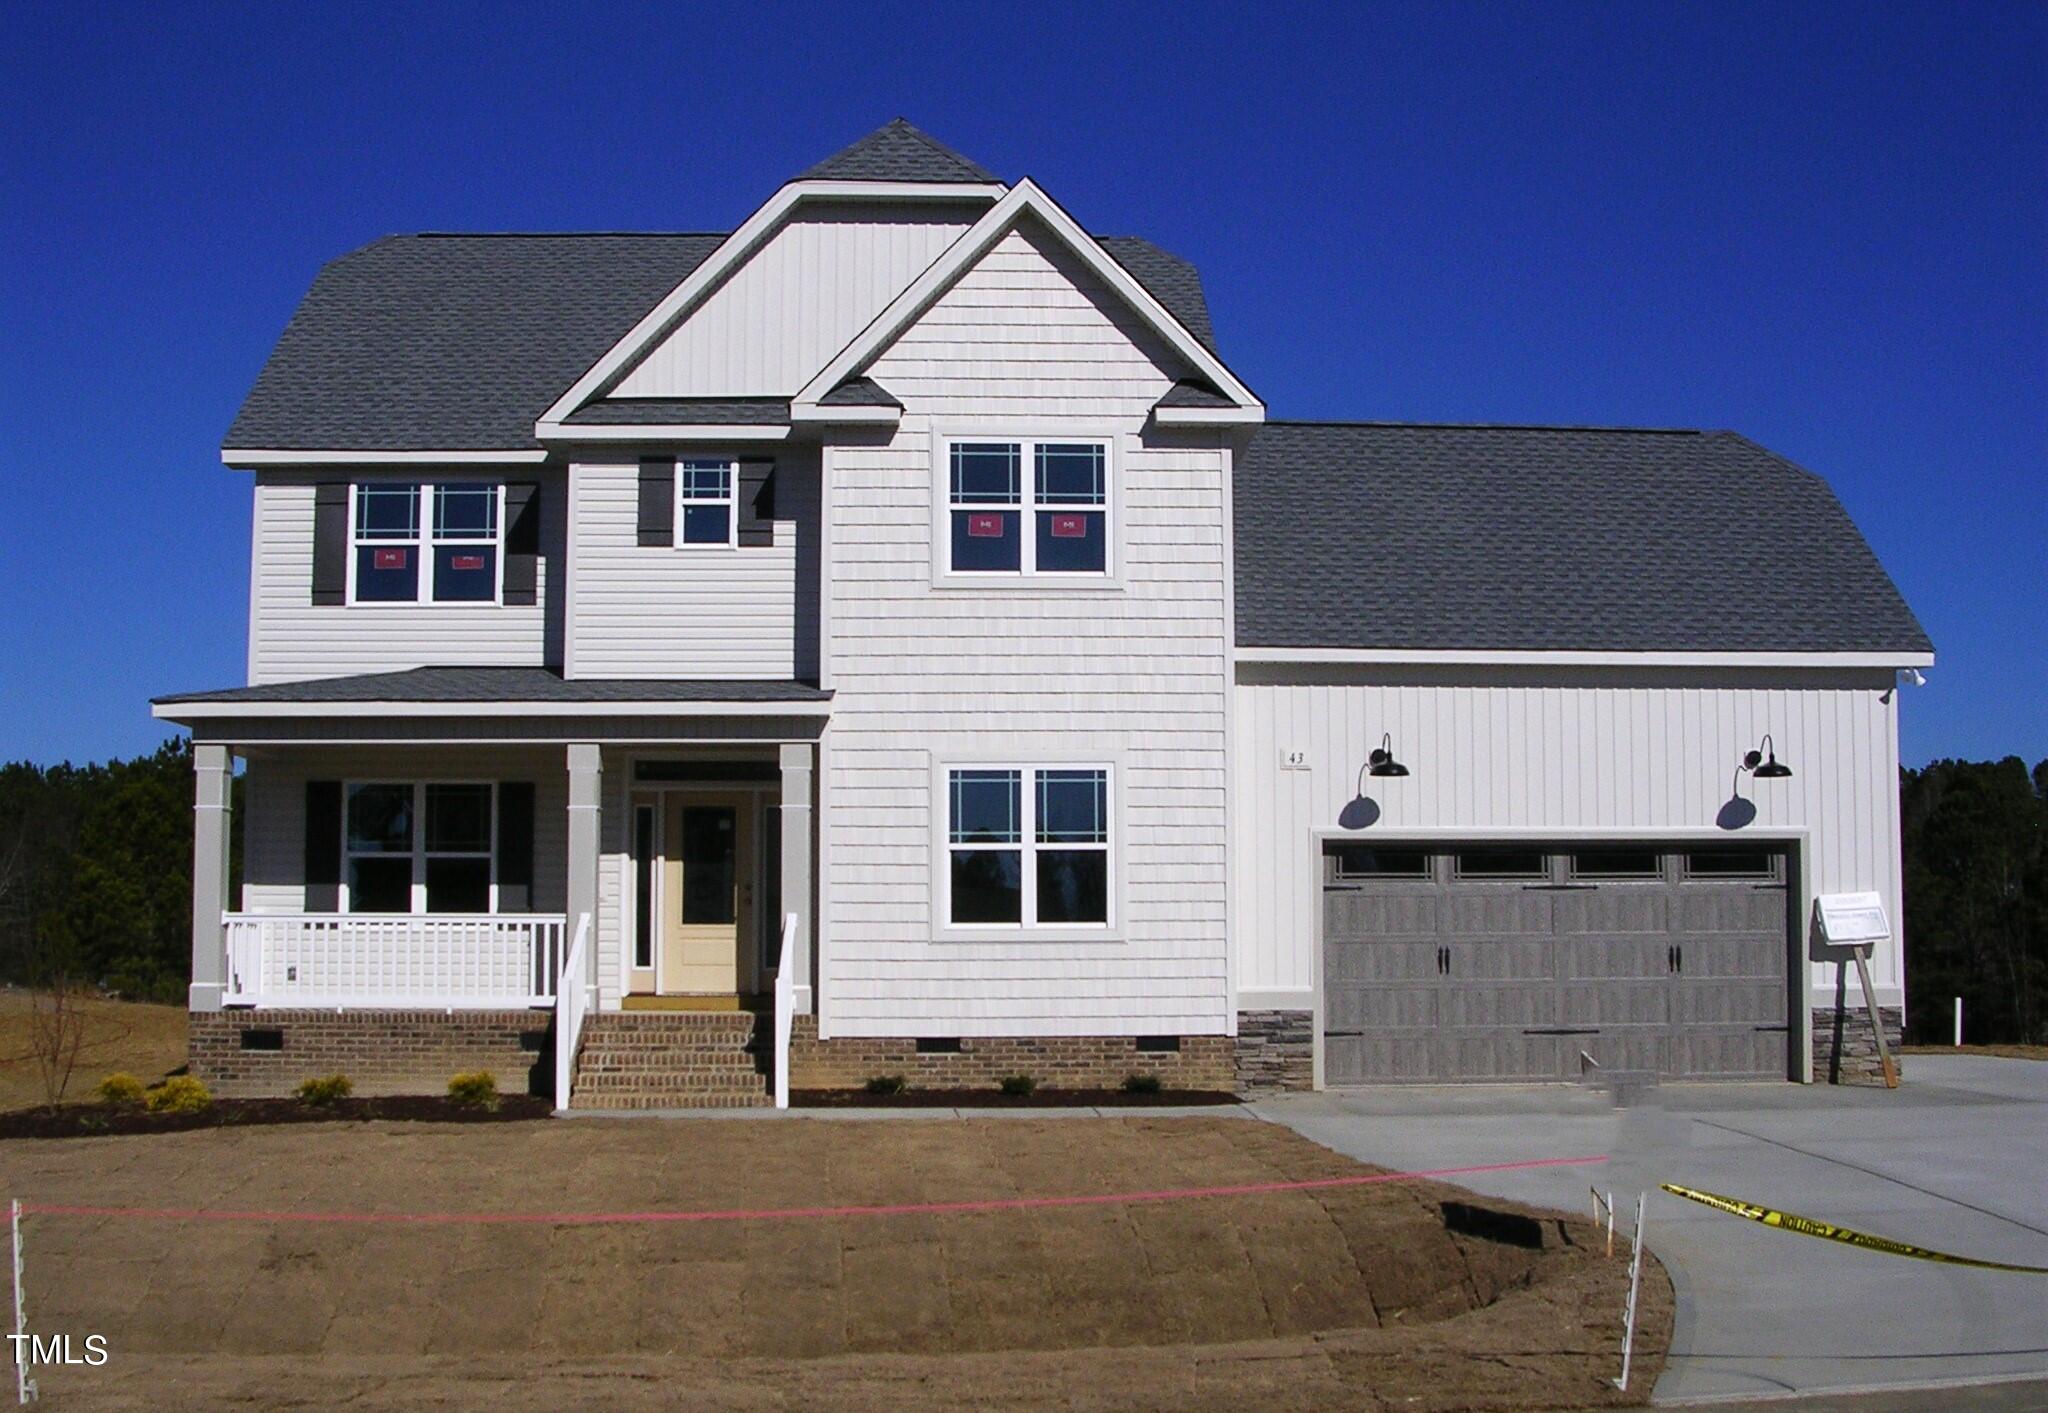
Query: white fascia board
{"points": [[1420, 657], [1024, 199], [1208, 416], [213, 711], [731, 252], [869, 416], [664, 432], [254, 458]]}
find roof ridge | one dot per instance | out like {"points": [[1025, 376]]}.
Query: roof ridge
{"points": [[881, 156], [1489, 426]]}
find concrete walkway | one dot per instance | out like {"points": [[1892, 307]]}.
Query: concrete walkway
{"points": [[1956, 1160]]}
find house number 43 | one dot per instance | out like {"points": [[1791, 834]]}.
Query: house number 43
{"points": [[1294, 760]]}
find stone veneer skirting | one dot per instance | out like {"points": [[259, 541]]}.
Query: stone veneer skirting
{"points": [[1845, 1046], [383, 1052], [982, 1062], [1275, 1051]]}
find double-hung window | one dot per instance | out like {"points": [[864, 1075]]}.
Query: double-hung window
{"points": [[1028, 847], [1027, 507], [432, 543], [420, 848], [705, 502]]}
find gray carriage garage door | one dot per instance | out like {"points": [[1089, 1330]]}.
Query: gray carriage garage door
{"points": [[1498, 962]]}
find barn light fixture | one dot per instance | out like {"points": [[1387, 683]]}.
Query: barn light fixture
{"points": [[1763, 763], [1382, 763]]}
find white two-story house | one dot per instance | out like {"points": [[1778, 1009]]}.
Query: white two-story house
{"points": [[889, 638]]}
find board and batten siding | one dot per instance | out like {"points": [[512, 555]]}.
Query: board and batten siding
{"points": [[292, 639], [669, 611], [274, 809], [1025, 343], [1570, 752], [799, 299]]}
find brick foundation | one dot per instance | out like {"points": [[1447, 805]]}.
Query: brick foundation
{"points": [[1275, 1051], [1845, 1047], [982, 1062], [383, 1052]]}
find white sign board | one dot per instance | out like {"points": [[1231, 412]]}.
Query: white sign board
{"points": [[1852, 919]]}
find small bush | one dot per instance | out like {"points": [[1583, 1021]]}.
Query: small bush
{"points": [[1141, 1084], [320, 1092], [476, 1088], [121, 1088], [180, 1094], [886, 1084], [1018, 1085]]}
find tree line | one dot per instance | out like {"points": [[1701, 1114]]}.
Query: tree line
{"points": [[96, 884]]}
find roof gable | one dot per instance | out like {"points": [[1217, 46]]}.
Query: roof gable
{"points": [[898, 152]]}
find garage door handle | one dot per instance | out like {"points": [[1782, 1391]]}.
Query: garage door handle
{"points": [[1565, 1030], [1443, 961], [1779, 1028]]}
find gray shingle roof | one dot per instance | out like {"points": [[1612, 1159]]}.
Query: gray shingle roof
{"points": [[651, 411], [1190, 392], [454, 342], [1354, 535], [859, 392], [898, 152], [503, 684]]}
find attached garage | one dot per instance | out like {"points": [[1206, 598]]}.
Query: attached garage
{"points": [[1494, 961]]}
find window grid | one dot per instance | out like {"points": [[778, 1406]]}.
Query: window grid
{"points": [[417, 849], [1056, 521], [1050, 812], [426, 542], [707, 503]]}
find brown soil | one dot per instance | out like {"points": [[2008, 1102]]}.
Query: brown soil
{"points": [[146, 1041], [2002, 1052], [1411, 1295], [996, 1099], [109, 1121]]}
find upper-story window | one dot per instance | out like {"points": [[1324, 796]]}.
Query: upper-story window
{"points": [[433, 543], [706, 502], [1028, 507]]}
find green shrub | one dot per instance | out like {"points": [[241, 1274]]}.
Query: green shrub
{"points": [[1141, 1084], [121, 1088], [476, 1088], [320, 1092], [887, 1084], [1018, 1085], [180, 1094]]}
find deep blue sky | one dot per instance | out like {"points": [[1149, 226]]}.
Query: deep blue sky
{"points": [[1825, 229]]}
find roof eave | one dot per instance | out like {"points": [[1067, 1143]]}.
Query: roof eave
{"points": [[1899, 658], [186, 713], [264, 458]]}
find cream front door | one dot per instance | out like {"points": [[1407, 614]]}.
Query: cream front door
{"points": [[707, 892]]}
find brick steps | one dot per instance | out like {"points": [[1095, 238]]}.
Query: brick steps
{"points": [[673, 1060]]}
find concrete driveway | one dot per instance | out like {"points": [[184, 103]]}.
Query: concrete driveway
{"points": [[1956, 1159]]}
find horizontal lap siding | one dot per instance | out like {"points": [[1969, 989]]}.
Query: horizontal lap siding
{"points": [[660, 611], [1581, 752], [274, 810], [291, 639], [1028, 340]]}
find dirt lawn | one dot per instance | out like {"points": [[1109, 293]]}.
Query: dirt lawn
{"points": [[1370, 1296], [147, 1041]]}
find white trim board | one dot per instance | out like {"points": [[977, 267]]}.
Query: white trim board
{"points": [[206, 711], [664, 432], [1025, 199], [1460, 657], [244, 458]]}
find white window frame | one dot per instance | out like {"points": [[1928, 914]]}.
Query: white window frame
{"points": [[420, 853], [730, 500], [1026, 507], [1027, 847], [422, 543]]}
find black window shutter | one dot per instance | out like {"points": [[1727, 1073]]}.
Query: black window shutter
{"points": [[757, 503], [657, 501], [522, 541], [323, 846], [330, 542], [515, 834]]}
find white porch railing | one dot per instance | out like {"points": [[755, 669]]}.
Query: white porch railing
{"points": [[785, 1003], [572, 1003], [465, 961]]}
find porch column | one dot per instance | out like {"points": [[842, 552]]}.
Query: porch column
{"points": [[796, 865], [213, 769], [586, 782]]}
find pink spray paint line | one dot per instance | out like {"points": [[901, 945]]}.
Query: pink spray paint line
{"points": [[769, 1214]]}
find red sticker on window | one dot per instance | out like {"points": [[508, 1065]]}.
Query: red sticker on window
{"points": [[390, 558], [1070, 527], [985, 527], [466, 561]]}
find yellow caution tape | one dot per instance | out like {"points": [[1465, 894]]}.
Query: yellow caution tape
{"points": [[1807, 1226]]}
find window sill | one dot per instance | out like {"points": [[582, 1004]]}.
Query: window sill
{"points": [[1029, 585], [431, 603], [1028, 934]]}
